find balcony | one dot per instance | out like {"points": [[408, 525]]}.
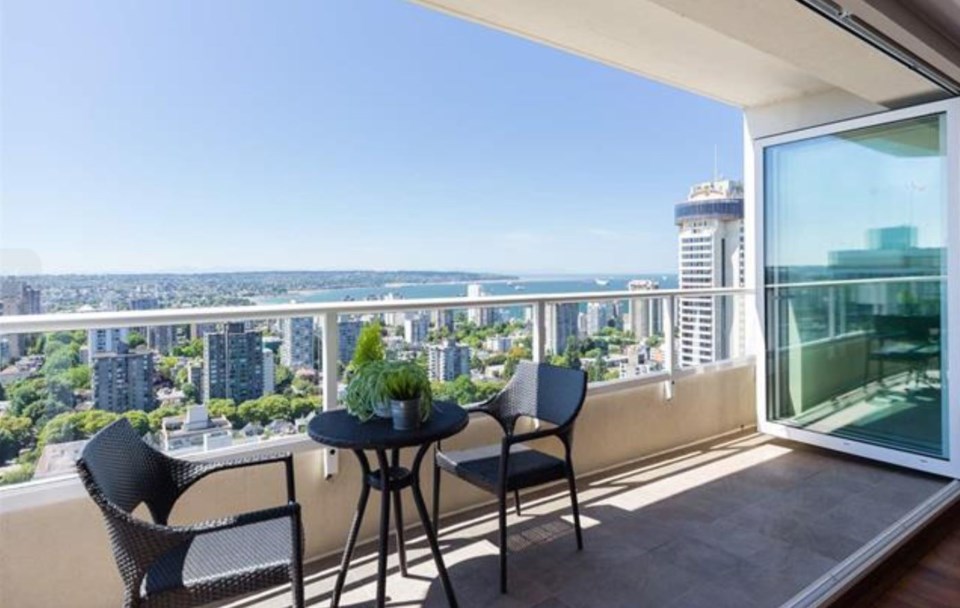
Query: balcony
{"points": [[683, 503]]}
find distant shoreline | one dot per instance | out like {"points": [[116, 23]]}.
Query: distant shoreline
{"points": [[301, 294]]}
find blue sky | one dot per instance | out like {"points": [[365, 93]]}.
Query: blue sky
{"points": [[338, 134]]}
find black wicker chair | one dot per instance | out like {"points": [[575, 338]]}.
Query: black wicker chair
{"points": [[540, 391], [163, 565]]}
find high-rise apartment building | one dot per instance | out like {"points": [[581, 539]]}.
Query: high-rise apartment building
{"points": [[18, 298], [233, 364], [644, 317], [561, 321], [297, 349], [349, 331], [443, 318], [269, 372], [195, 375], [415, 328], [447, 361], [481, 317], [122, 380], [393, 319], [599, 316], [710, 255], [105, 341], [145, 303]]}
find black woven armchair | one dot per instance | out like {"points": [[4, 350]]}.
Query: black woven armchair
{"points": [[540, 391], [163, 565]]}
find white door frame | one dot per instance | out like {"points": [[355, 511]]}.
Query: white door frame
{"points": [[950, 466]]}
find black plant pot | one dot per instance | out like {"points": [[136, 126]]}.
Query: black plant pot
{"points": [[406, 414]]}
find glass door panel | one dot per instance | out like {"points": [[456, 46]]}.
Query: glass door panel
{"points": [[855, 284]]}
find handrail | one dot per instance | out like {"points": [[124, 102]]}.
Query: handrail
{"points": [[920, 278], [16, 324]]}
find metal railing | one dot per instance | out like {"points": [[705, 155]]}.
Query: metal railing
{"points": [[329, 312]]}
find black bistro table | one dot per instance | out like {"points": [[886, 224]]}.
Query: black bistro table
{"points": [[341, 430]]}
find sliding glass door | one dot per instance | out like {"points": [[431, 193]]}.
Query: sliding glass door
{"points": [[857, 229]]}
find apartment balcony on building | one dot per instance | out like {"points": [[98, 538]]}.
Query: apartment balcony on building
{"points": [[772, 424]]}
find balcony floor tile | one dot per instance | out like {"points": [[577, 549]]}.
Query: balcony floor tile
{"points": [[746, 522]]}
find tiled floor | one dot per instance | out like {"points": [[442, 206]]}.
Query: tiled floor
{"points": [[746, 522]]}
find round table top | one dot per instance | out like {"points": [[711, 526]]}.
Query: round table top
{"points": [[339, 429]]}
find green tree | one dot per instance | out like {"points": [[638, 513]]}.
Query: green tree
{"points": [[61, 339], [225, 408], [73, 426], [16, 432], [571, 354], [597, 370], [304, 386], [156, 416], [369, 346], [192, 349], [190, 393], [60, 429], [282, 378], [60, 388], [91, 421], [58, 361], [140, 421], [19, 475], [301, 407], [165, 368], [510, 367], [135, 339], [78, 377], [265, 409], [25, 393]]}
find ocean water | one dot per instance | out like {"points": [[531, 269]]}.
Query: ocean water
{"points": [[522, 286]]}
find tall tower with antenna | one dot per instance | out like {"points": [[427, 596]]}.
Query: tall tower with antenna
{"points": [[710, 254]]}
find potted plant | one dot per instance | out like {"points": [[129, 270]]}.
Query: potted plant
{"points": [[366, 394], [368, 398], [411, 399]]}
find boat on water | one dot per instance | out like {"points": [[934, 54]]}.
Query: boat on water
{"points": [[602, 282]]}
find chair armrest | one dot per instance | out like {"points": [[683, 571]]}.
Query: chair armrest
{"points": [[532, 435], [480, 406], [188, 473]]}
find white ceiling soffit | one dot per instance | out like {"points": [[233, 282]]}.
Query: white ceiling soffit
{"points": [[929, 29], [745, 52]]}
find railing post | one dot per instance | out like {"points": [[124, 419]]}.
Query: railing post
{"points": [[670, 342], [330, 349], [539, 330]]}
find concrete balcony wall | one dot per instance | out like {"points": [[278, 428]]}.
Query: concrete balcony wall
{"points": [[57, 553]]}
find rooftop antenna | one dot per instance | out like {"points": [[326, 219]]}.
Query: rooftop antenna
{"points": [[716, 177]]}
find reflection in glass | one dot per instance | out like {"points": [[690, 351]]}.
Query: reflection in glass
{"points": [[854, 267]]}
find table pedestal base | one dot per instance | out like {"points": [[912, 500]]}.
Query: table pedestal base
{"points": [[390, 479]]}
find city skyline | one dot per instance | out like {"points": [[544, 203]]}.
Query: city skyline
{"points": [[169, 137]]}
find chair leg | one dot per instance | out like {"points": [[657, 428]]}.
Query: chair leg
{"points": [[296, 581], [398, 518], [436, 495], [516, 501], [571, 480], [503, 542]]}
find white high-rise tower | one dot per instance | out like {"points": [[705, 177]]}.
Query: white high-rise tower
{"points": [[711, 255]]}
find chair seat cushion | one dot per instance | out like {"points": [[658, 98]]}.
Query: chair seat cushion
{"points": [[224, 563], [481, 467]]}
